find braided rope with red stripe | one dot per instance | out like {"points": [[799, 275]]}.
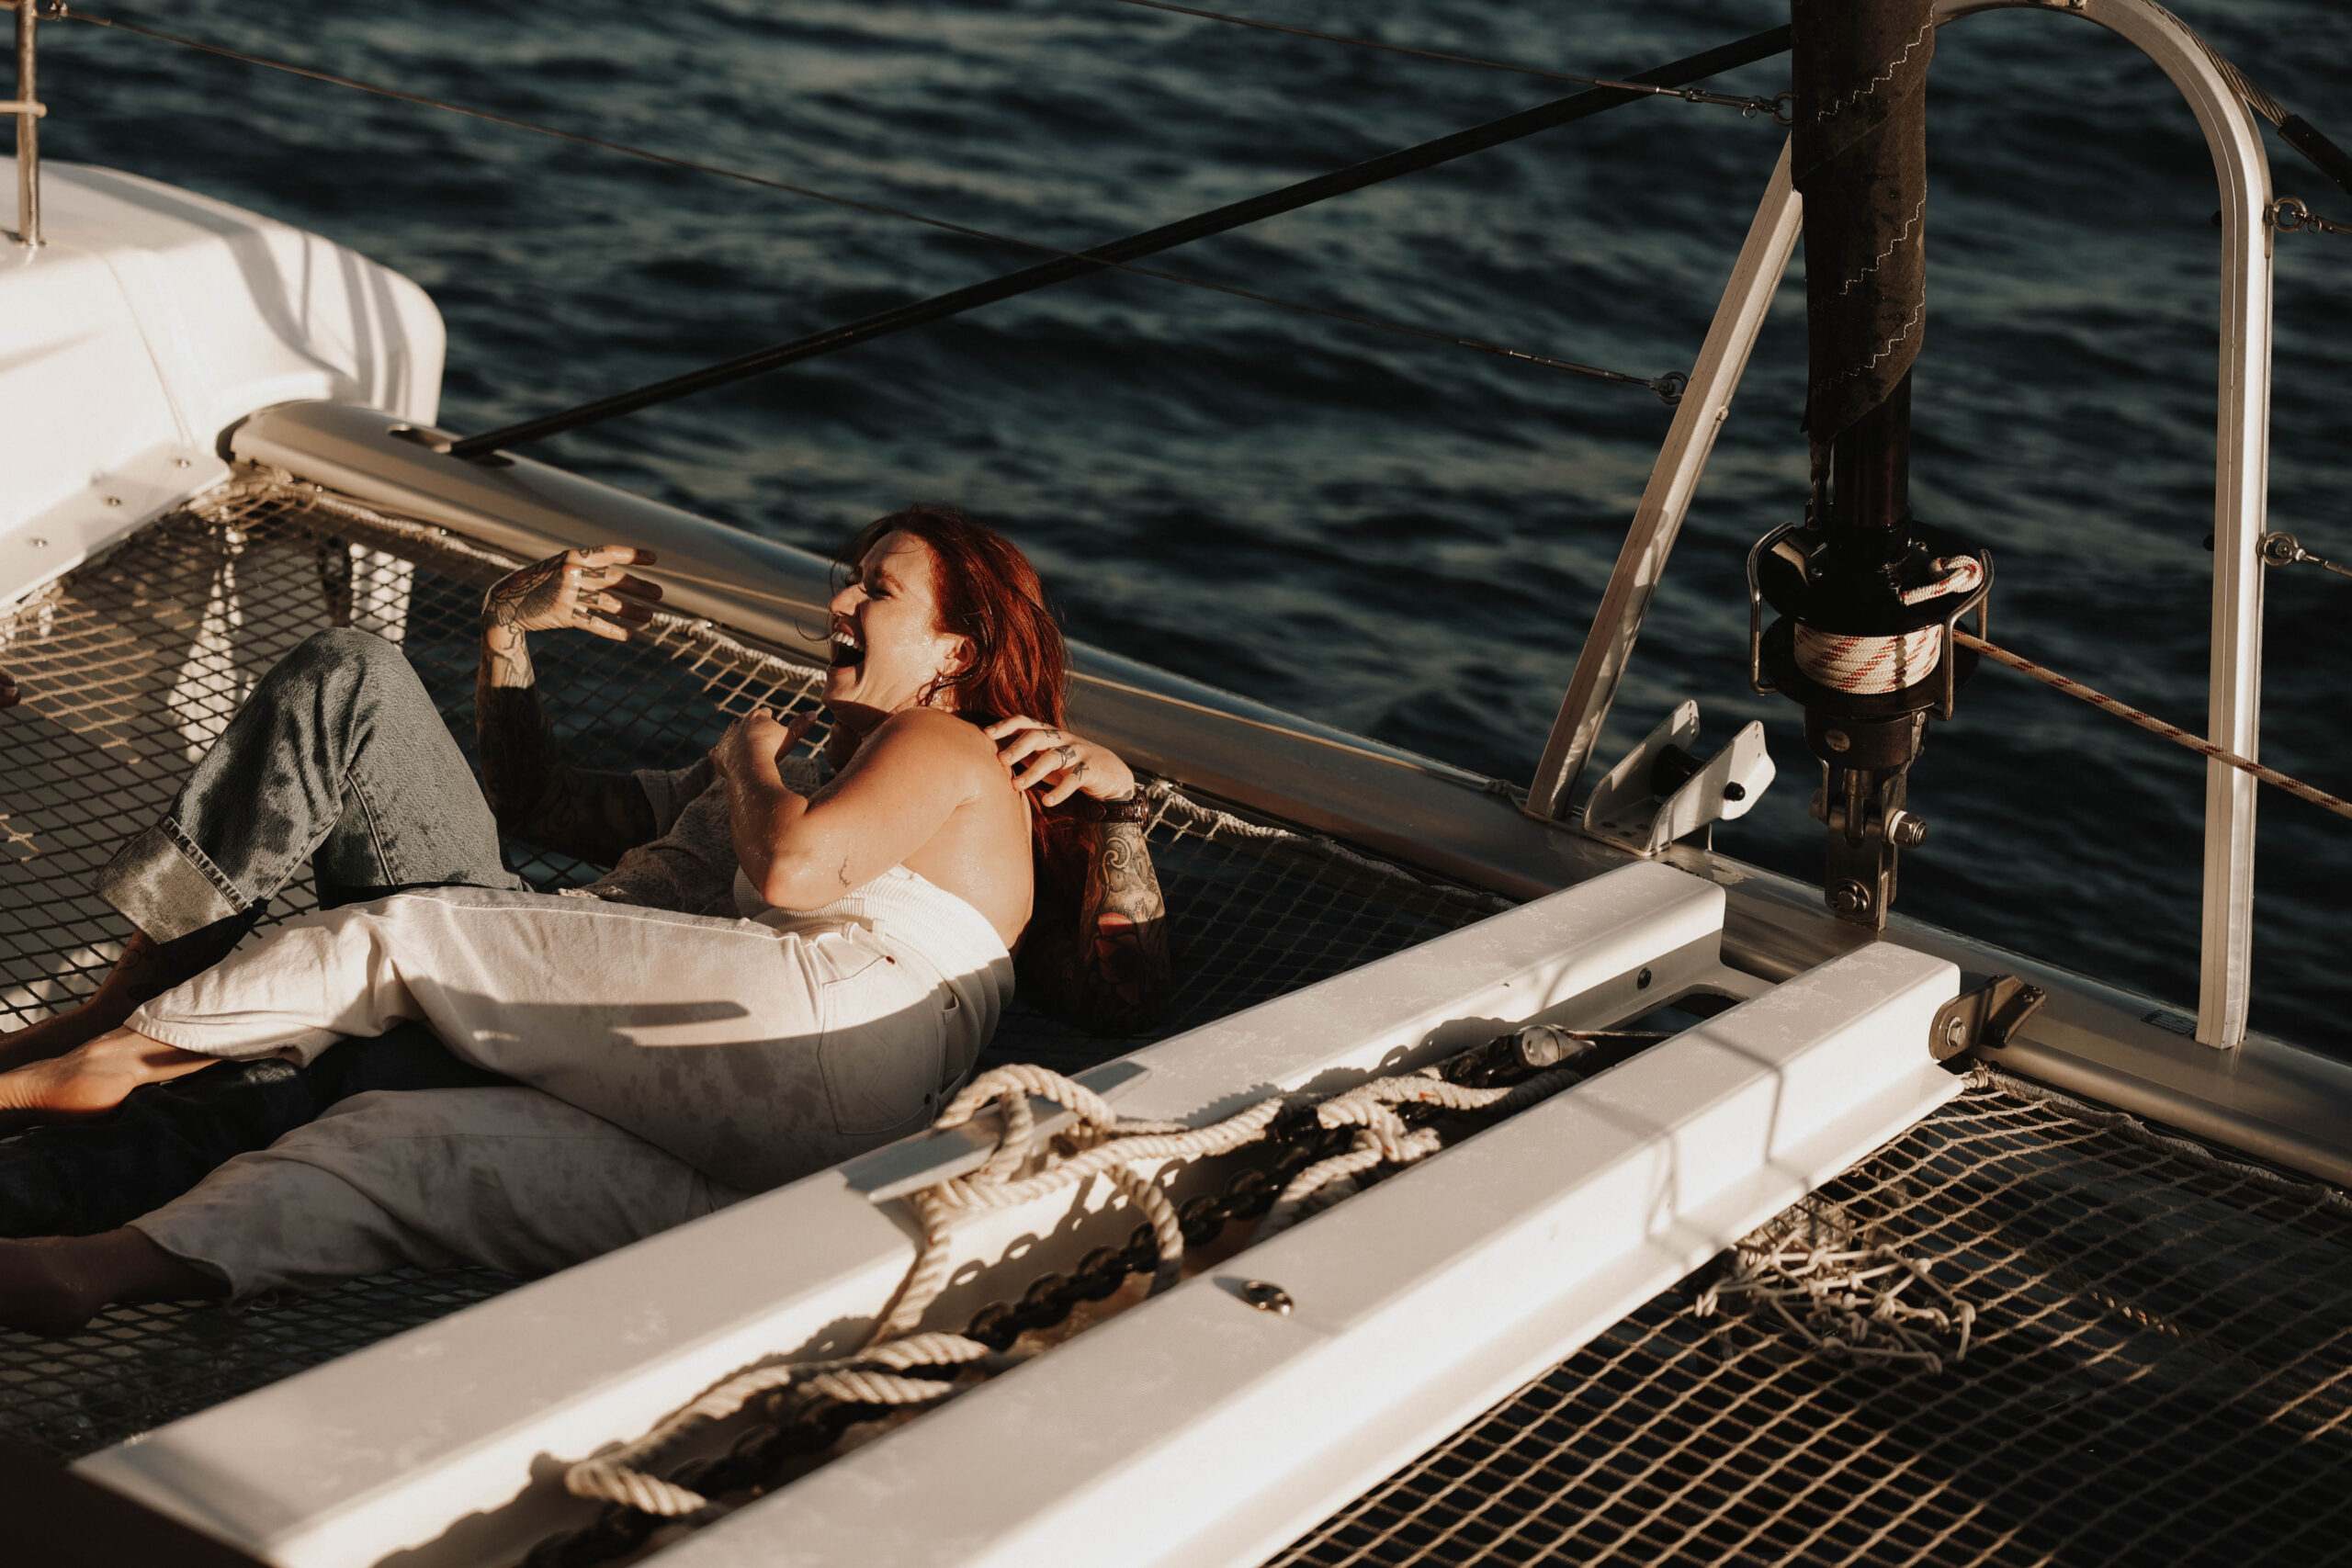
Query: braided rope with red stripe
{"points": [[2155, 726], [1875, 664]]}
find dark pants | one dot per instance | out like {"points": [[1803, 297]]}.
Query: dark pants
{"points": [[338, 758]]}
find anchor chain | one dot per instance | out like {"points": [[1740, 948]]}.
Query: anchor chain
{"points": [[804, 1417]]}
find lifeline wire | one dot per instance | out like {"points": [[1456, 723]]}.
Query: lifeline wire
{"points": [[1669, 386], [2155, 726], [1775, 106], [1150, 241]]}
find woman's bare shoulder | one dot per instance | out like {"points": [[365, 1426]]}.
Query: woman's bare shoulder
{"points": [[933, 739]]}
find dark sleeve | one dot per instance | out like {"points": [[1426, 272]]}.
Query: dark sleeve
{"points": [[539, 796], [1102, 963]]}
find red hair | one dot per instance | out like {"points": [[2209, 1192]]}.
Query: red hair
{"points": [[989, 596]]}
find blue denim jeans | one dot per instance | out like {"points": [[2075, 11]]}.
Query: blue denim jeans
{"points": [[340, 759]]}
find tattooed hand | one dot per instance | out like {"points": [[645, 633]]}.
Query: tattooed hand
{"points": [[1063, 764], [585, 589], [532, 786]]}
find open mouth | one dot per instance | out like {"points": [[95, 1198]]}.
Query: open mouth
{"points": [[848, 652]]}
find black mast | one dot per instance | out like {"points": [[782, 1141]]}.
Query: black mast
{"points": [[1866, 591]]}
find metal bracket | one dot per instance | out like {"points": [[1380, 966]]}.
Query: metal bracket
{"points": [[1989, 1014], [915, 1163], [1661, 793]]}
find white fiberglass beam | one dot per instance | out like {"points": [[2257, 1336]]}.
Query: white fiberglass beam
{"points": [[1197, 1430], [449, 1438]]}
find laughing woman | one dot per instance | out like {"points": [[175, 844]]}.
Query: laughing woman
{"points": [[779, 971]]}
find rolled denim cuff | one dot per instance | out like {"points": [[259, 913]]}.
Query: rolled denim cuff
{"points": [[167, 886]]}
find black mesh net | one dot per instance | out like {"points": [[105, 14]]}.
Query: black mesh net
{"points": [[2159, 1371], [133, 664]]}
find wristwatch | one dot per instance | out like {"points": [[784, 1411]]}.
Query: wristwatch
{"points": [[1086, 809]]}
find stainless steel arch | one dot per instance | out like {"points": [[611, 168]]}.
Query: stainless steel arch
{"points": [[2241, 487]]}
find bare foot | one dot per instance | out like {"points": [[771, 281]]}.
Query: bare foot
{"points": [[42, 1289], [142, 972], [56, 1284], [91, 1080]]}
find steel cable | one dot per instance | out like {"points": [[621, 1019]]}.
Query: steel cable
{"points": [[1776, 107], [1150, 241], [1669, 386]]}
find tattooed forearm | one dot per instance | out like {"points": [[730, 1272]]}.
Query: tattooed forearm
{"points": [[1107, 960]]}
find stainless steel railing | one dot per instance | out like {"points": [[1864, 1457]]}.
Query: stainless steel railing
{"points": [[2240, 501], [28, 108]]}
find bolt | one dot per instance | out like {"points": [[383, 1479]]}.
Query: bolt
{"points": [[114, 501], [1956, 1032], [1835, 739], [1266, 1296], [1735, 792], [1641, 981], [1849, 897], [1907, 832]]}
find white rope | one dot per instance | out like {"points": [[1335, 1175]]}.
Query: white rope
{"points": [[1021, 1169], [1171, 801], [873, 1376], [259, 485], [1849, 1301], [1383, 1138], [1874, 664]]}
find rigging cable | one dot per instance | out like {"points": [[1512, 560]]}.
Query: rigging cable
{"points": [[1777, 107], [2298, 132], [2154, 725], [1233, 214], [1669, 386]]}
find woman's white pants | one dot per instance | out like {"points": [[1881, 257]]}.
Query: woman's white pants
{"points": [[673, 1062]]}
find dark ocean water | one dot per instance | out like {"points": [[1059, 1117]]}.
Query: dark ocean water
{"points": [[1398, 536]]}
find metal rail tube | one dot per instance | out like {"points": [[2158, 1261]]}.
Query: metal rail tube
{"points": [[27, 132], [1641, 562], [2241, 481]]}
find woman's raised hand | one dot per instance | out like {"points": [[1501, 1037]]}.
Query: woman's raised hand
{"points": [[1063, 764], [756, 738], [586, 589]]}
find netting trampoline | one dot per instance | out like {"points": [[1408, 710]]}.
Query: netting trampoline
{"points": [[133, 664], [2159, 1371]]}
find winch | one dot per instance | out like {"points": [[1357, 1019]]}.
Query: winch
{"points": [[1867, 596]]}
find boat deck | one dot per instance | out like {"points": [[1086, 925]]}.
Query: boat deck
{"points": [[132, 664]]}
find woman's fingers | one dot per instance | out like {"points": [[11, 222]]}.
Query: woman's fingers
{"points": [[612, 554], [637, 587], [1045, 767], [1061, 792], [1005, 727], [1026, 744], [614, 605]]}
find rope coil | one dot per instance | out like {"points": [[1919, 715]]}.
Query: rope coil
{"points": [[1876, 664], [1019, 1170], [1847, 1301]]}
